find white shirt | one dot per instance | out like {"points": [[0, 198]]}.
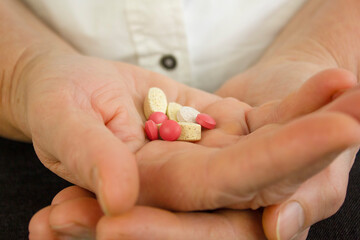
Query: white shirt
{"points": [[211, 40]]}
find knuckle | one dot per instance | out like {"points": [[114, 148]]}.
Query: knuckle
{"points": [[334, 193], [107, 229], [336, 197], [231, 101]]}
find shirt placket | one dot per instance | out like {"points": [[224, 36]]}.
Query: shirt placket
{"points": [[158, 33]]}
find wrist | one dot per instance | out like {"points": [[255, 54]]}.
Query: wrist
{"points": [[282, 70], [322, 35], [14, 86], [325, 32]]}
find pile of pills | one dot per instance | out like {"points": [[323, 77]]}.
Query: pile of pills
{"points": [[173, 121]]}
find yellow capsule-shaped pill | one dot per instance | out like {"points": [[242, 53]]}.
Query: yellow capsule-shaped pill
{"points": [[190, 131], [155, 101], [172, 110]]}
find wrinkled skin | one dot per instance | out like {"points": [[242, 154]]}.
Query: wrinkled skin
{"points": [[91, 113], [273, 77]]}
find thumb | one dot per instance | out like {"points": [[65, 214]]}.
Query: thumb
{"points": [[90, 155], [318, 198]]}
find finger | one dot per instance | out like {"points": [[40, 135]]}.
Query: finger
{"points": [[317, 199], [93, 157], [70, 193], [204, 178], [346, 103], [229, 115], [74, 214], [76, 218], [284, 157], [118, 111], [321, 196], [39, 227], [319, 90], [151, 223]]}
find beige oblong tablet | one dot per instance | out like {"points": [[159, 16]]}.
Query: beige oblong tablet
{"points": [[155, 101], [190, 131], [172, 110]]}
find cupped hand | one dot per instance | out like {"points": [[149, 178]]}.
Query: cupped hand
{"points": [[270, 154], [76, 214], [85, 118], [322, 195], [172, 173]]}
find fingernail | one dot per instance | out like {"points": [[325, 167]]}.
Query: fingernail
{"points": [[100, 195], [290, 221], [72, 231]]}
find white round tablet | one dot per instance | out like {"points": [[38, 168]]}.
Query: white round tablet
{"points": [[187, 114]]}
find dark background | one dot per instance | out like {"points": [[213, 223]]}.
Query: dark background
{"points": [[26, 186]]}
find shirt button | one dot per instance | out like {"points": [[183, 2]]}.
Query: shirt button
{"points": [[168, 62]]}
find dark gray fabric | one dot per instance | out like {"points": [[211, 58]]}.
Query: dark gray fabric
{"points": [[27, 186]]}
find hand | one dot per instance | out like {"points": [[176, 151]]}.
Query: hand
{"points": [[308, 44], [323, 194], [268, 158], [85, 118], [76, 214], [227, 124]]}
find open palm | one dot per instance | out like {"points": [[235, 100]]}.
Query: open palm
{"points": [[85, 118]]}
